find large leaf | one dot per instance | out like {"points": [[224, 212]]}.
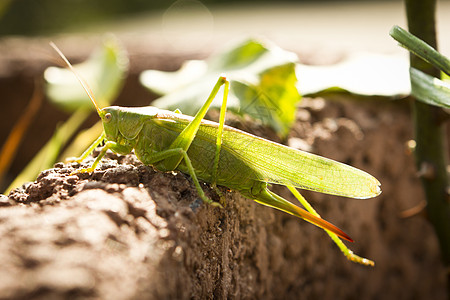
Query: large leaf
{"points": [[104, 71], [363, 74], [262, 78]]}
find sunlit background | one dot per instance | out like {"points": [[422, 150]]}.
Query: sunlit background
{"points": [[162, 34], [190, 25]]}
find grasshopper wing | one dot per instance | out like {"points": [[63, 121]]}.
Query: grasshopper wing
{"points": [[280, 164]]}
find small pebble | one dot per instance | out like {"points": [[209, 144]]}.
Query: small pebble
{"points": [[5, 201], [58, 165]]}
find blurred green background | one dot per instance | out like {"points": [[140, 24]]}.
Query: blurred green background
{"points": [[41, 17], [30, 17]]}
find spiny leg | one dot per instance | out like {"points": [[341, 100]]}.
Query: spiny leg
{"points": [[269, 198], [115, 147], [347, 252], [223, 110], [102, 153]]}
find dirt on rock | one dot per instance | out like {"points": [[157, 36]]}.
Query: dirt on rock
{"points": [[129, 232]]}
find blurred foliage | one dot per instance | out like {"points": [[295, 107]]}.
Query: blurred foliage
{"points": [[262, 84], [9, 149], [264, 81], [31, 17], [37, 17], [110, 65], [4, 5], [105, 71], [427, 89]]}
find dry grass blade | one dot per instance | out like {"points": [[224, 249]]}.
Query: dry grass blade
{"points": [[8, 151]]}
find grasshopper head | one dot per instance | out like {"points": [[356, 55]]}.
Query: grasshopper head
{"points": [[110, 117], [123, 124]]}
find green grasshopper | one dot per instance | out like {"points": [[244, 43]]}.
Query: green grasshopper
{"points": [[225, 156]]}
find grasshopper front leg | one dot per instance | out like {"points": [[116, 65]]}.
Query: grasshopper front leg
{"points": [[86, 154], [108, 145], [179, 147], [153, 159], [88, 150], [185, 138]]}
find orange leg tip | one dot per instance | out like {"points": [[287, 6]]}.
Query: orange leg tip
{"points": [[345, 237]]}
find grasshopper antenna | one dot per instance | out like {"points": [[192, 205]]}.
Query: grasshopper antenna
{"points": [[80, 79]]}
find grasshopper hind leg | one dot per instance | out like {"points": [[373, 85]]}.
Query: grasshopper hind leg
{"points": [[266, 197], [346, 251]]}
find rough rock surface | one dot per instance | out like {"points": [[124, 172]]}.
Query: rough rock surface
{"points": [[128, 232]]}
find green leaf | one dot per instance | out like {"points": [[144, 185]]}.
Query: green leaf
{"points": [[424, 87], [362, 74], [262, 80], [429, 89], [420, 48], [104, 71]]}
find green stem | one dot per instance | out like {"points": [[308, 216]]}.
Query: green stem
{"points": [[431, 150], [49, 153]]}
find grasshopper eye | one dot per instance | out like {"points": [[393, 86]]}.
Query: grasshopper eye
{"points": [[108, 117]]}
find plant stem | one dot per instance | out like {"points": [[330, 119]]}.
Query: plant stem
{"points": [[48, 154], [430, 132]]}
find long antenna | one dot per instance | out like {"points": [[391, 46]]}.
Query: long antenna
{"points": [[80, 79]]}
